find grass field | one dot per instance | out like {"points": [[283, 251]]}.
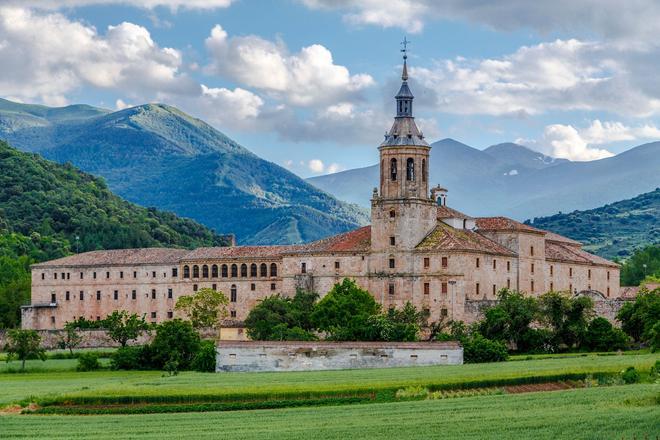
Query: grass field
{"points": [[620, 412], [16, 387]]}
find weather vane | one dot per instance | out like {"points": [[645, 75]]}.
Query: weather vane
{"points": [[405, 44]]}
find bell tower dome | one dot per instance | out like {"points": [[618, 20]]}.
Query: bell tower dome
{"points": [[402, 208]]}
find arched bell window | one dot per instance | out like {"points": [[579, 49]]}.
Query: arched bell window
{"points": [[195, 271], [205, 271], [234, 271], [253, 270], [263, 270], [186, 271], [214, 271], [273, 270], [393, 170], [410, 169], [224, 271], [243, 270]]}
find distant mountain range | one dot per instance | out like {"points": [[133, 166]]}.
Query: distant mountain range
{"points": [[612, 231], [512, 180], [156, 155]]}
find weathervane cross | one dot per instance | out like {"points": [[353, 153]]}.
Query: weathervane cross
{"points": [[405, 44]]}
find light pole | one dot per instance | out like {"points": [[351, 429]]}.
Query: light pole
{"points": [[452, 283]]}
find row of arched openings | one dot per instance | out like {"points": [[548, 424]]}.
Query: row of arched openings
{"points": [[227, 271], [410, 169]]}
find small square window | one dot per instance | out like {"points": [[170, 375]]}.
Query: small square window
{"points": [[232, 313], [153, 315], [392, 213], [214, 286], [170, 315], [273, 286], [253, 287], [443, 312], [194, 287], [336, 264], [175, 272]]}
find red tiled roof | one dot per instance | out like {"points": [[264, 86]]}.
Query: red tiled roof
{"points": [[210, 253], [551, 236], [118, 257], [447, 212], [504, 224], [357, 240], [571, 254], [446, 238]]}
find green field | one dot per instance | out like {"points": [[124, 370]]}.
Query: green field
{"points": [[619, 412]]}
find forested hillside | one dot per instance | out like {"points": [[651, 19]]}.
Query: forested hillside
{"points": [[49, 210], [611, 231]]}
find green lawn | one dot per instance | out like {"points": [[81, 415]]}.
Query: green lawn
{"points": [[15, 387], [619, 412]]}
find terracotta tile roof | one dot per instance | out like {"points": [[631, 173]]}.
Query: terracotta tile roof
{"points": [[551, 236], [504, 224], [571, 254], [357, 240], [446, 238], [447, 212], [629, 291], [211, 253], [120, 257]]}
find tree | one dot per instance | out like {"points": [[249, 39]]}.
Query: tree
{"points": [[277, 318], [643, 263], [397, 324], [71, 338], [640, 316], [24, 344], [602, 336], [510, 319], [345, 311], [122, 327], [205, 308], [176, 341], [567, 316]]}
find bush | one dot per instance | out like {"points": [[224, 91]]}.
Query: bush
{"points": [[630, 375], [88, 362], [204, 359], [175, 340], [537, 340], [129, 358], [477, 349], [602, 336]]}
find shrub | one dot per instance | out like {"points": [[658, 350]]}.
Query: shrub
{"points": [[204, 359], [175, 340], [602, 336], [477, 349], [88, 362], [537, 340], [630, 375], [128, 358]]}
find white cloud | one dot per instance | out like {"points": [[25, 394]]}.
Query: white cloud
{"points": [[147, 4], [316, 165], [121, 105], [334, 168], [568, 142], [239, 102], [307, 78], [560, 75]]}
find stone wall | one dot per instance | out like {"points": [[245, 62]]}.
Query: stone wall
{"points": [[302, 356]]}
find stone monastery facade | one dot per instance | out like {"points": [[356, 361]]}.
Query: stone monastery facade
{"points": [[416, 249]]}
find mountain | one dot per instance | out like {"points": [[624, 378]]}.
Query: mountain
{"points": [[156, 155], [509, 179], [611, 231]]}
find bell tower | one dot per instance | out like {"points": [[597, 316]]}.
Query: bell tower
{"points": [[402, 213]]}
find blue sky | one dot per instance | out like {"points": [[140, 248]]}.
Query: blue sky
{"points": [[308, 84]]}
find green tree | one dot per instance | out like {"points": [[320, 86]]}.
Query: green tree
{"points": [[176, 341], [643, 263], [397, 324], [640, 316], [71, 338], [122, 327], [204, 308], [567, 316], [510, 319], [602, 336], [23, 345], [278, 318], [345, 311]]}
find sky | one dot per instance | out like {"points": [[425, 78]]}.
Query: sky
{"points": [[309, 84]]}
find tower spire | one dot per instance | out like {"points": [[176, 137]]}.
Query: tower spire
{"points": [[405, 43]]}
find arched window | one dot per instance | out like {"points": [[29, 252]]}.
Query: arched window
{"points": [[243, 270], [186, 271], [234, 271], [223, 270], [232, 293], [214, 271], [195, 271], [410, 169], [205, 271], [253, 270], [273, 270], [393, 170], [423, 170], [263, 270]]}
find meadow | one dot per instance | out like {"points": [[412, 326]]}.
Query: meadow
{"points": [[621, 412]]}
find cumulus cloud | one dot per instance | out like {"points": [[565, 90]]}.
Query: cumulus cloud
{"points": [[317, 166], [559, 75], [632, 23], [581, 144], [307, 78], [147, 4]]}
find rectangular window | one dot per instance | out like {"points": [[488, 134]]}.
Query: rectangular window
{"points": [[608, 291], [303, 267], [570, 288], [552, 286], [53, 298], [443, 312], [66, 295], [133, 294], [153, 293], [214, 286], [336, 264], [477, 290], [391, 263], [477, 262], [608, 275], [589, 274], [233, 315], [194, 287], [107, 275], [390, 289], [55, 275], [116, 295], [531, 251], [82, 275], [170, 315], [552, 270], [445, 262], [94, 275], [508, 283], [253, 287], [427, 288], [68, 275], [175, 272], [444, 288], [392, 241], [494, 290], [233, 295], [427, 262], [82, 295], [153, 315], [52, 320], [153, 274], [273, 286], [43, 276], [170, 293], [494, 264], [134, 274], [508, 266], [532, 285], [570, 271], [98, 318], [63, 275], [532, 267], [121, 274], [98, 295]]}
